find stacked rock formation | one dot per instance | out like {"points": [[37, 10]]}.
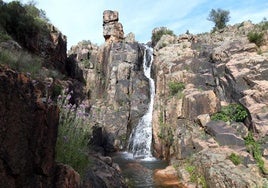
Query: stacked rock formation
{"points": [[112, 29]]}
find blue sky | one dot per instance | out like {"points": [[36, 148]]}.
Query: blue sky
{"points": [[82, 19]]}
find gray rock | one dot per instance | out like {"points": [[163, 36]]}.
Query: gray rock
{"points": [[229, 139], [219, 171], [196, 103], [130, 38], [103, 174], [224, 134]]}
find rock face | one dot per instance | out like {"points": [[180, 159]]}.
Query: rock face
{"points": [[208, 70], [122, 91], [116, 88], [66, 177], [245, 80], [195, 103], [112, 29], [53, 47], [28, 133], [80, 61], [212, 70], [178, 62]]}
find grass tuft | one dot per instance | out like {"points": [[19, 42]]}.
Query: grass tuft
{"points": [[21, 61], [254, 148], [176, 87], [236, 159]]}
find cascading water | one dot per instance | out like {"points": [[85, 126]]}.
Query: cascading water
{"points": [[138, 166], [141, 137]]}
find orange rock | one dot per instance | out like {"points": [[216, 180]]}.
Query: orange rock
{"points": [[167, 177]]}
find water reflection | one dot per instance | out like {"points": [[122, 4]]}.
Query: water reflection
{"points": [[139, 173]]}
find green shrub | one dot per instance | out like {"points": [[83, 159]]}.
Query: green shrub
{"points": [[256, 37], [232, 112], [175, 87], [87, 64], [236, 159], [254, 148], [21, 61], [56, 91], [22, 22], [4, 36], [190, 169], [158, 33], [264, 24], [220, 116], [73, 135]]}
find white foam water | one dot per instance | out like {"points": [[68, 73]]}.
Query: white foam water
{"points": [[140, 141]]}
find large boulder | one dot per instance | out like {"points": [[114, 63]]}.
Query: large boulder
{"points": [[197, 102], [167, 177], [103, 173], [219, 171], [224, 134]]}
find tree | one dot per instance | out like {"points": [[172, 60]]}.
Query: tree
{"points": [[219, 17]]}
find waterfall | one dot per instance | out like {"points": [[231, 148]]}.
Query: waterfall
{"points": [[141, 137]]}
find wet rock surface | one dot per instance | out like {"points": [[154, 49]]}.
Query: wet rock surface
{"points": [[167, 177], [103, 173]]}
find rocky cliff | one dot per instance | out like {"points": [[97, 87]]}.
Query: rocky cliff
{"points": [[196, 77], [28, 133], [117, 90], [211, 70], [29, 117], [53, 49]]}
